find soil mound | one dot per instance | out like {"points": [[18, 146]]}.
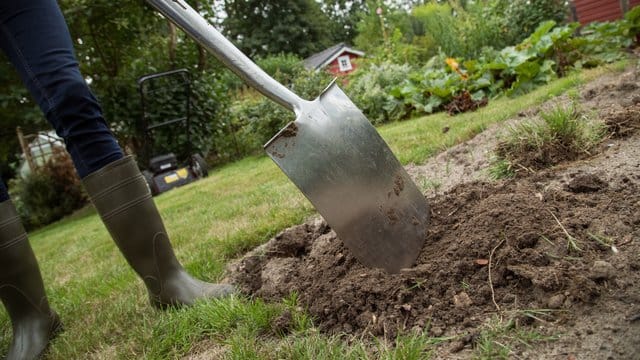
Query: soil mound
{"points": [[546, 248]]}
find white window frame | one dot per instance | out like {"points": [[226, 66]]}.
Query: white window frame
{"points": [[347, 66]]}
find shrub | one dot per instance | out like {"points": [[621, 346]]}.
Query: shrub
{"points": [[633, 18], [369, 88], [255, 119], [49, 193], [283, 67], [522, 17], [439, 25], [210, 132]]}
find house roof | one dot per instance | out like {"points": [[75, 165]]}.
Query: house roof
{"points": [[325, 57]]}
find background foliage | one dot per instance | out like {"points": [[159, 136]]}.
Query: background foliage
{"points": [[49, 193], [421, 57], [261, 27]]}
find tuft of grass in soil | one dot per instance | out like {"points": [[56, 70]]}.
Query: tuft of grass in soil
{"points": [[104, 305], [501, 168], [563, 133], [500, 338]]}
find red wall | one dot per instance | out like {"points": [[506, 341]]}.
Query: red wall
{"points": [[334, 68], [600, 10]]}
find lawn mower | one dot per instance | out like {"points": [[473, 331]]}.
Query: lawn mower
{"points": [[166, 105]]}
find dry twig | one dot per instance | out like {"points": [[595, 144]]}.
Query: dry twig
{"points": [[570, 239], [493, 293]]}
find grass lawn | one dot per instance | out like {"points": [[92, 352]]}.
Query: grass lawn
{"points": [[104, 306]]}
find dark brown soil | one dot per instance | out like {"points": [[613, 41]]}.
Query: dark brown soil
{"points": [[623, 122], [517, 228], [565, 239]]}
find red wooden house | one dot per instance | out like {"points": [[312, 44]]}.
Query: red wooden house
{"points": [[338, 60], [586, 11]]}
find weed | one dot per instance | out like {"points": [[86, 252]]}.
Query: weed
{"points": [[572, 244], [536, 314], [572, 128], [574, 95], [603, 241], [409, 347], [301, 321], [501, 169], [417, 284], [465, 285], [313, 346], [547, 240]]}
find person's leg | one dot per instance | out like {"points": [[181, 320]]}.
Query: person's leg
{"points": [[36, 39], [4, 193], [123, 200], [22, 291], [40, 47]]}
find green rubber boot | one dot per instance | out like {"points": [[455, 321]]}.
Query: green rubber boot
{"points": [[121, 195], [21, 290]]}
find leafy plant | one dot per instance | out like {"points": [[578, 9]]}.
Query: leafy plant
{"points": [[282, 67], [549, 52], [632, 17], [371, 90], [601, 43], [438, 23], [461, 31]]}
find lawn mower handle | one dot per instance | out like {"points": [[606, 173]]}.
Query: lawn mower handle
{"points": [[183, 15]]}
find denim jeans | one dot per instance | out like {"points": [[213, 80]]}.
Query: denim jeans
{"points": [[35, 38]]}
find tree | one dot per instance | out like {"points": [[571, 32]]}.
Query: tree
{"points": [[378, 25], [344, 16], [263, 27], [522, 17]]}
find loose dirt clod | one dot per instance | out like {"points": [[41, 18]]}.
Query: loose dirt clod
{"points": [[586, 183]]}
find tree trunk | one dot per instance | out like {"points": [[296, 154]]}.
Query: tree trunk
{"points": [[202, 53]]}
